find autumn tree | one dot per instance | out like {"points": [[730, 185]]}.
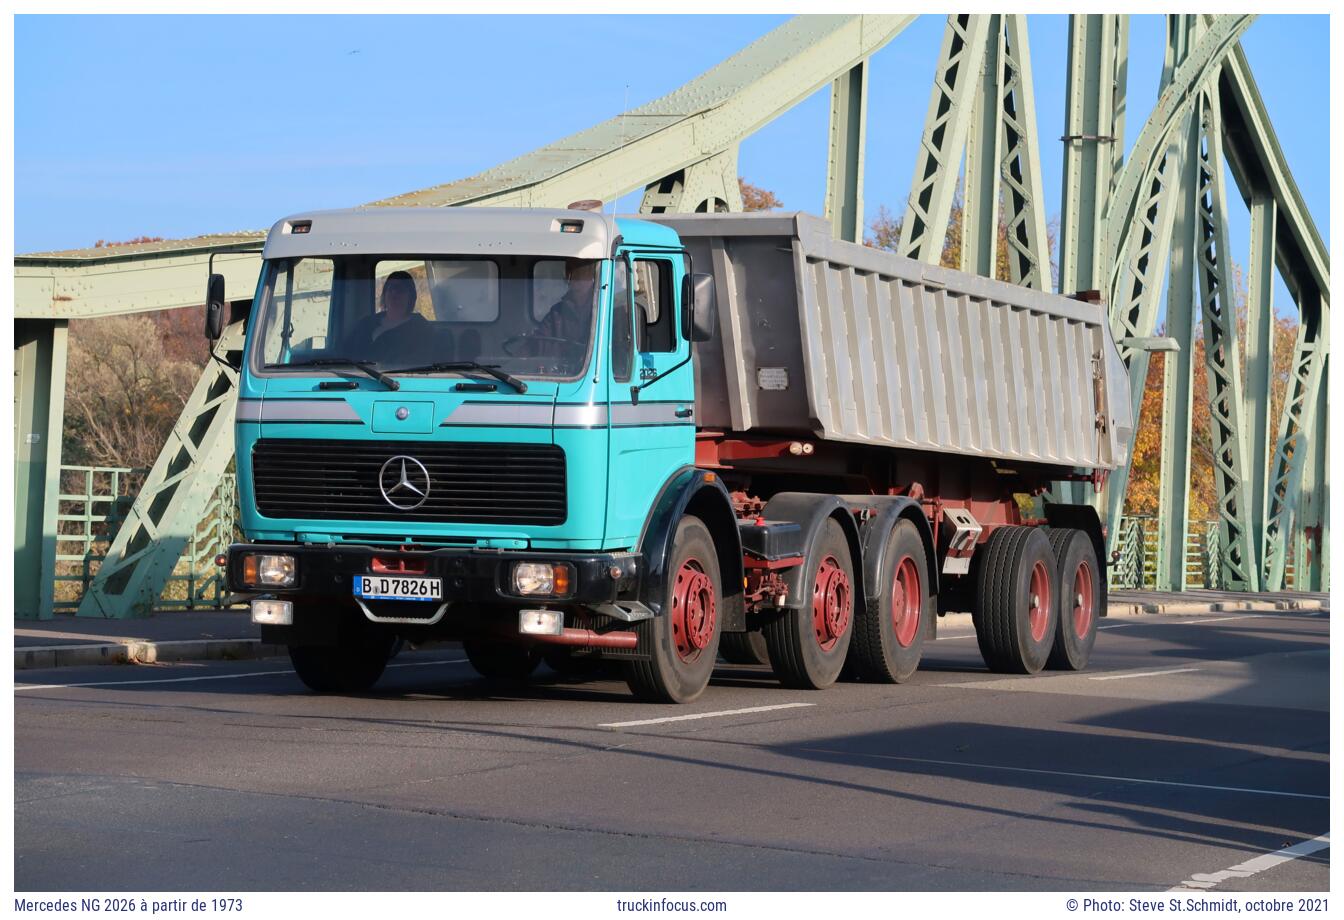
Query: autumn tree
{"points": [[126, 384], [755, 198]]}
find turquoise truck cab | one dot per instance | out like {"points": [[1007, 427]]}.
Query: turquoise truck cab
{"points": [[461, 418]]}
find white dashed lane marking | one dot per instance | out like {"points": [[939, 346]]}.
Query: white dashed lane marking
{"points": [[704, 715], [1203, 881]]}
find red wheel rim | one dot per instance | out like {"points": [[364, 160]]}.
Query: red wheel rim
{"points": [[692, 610], [1038, 616], [831, 602], [1082, 600], [906, 602]]}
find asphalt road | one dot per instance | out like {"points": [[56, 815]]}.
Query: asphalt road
{"points": [[1193, 745]]}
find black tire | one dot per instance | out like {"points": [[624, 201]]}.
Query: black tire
{"points": [[683, 640], [352, 666], [744, 648], [501, 662], [1017, 600], [806, 656], [571, 666], [889, 632], [1080, 598]]}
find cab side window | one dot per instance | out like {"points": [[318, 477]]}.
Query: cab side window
{"points": [[653, 305], [622, 342]]}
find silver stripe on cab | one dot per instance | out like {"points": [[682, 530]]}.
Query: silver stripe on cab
{"points": [[503, 414], [296, 410]]}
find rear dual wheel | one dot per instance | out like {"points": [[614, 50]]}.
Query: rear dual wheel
{"points": [[1016, 609], [1080, 599], [889, 632], [808, 645]]}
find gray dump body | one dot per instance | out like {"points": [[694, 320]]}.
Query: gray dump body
{"points": [[849, 343]]}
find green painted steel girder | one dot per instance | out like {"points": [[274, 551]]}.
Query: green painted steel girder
{"points": [[844, 165], [1093, 144], [1173, 519], [929, 207], [710, 185], [137, 278], [980, 217], [1149, 153], [175, 493], [39, 411], [1222, 357], [695, 122]]}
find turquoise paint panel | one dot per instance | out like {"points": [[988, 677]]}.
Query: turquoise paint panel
{"points": [[653, 438], [401, 416]]}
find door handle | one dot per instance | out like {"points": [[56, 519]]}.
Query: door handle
{"points": [[685, 413]]}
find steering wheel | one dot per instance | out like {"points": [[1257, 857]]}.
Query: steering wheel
{"points": [[509, 343]]}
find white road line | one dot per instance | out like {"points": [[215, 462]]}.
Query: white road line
{"points": [[1202, 881], [183, 680], [704, 715], [1144, 674], [1102, 776], [1244, 616]]}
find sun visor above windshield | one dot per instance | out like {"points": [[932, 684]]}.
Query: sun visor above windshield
{"points": [[432, 231]]}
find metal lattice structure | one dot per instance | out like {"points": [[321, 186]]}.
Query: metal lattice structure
{"points": [[1132, 222]]}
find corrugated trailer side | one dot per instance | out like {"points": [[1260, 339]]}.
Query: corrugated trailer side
{"points": [[855, 344]]}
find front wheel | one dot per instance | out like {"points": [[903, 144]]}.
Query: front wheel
{"points": [[504, 662], [683, 640], [352, 666]]}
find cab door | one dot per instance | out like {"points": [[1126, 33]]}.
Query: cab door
{"points": [[653, 429]]}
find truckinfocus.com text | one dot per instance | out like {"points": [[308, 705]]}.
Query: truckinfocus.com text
{"points": [[654, 905]]}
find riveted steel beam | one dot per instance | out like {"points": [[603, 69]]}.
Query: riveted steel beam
{"points": [[174, 495], [1259, 362], [929, 208], [709, 186], [844, 166], [983, 190], [1133, 190], [1222, 358], [39, 412], [1024, 206], [693, 123], [1093, 144], [1311, 553], [1296, 427], [132, 279], [1136, 293], [1173, 518]]}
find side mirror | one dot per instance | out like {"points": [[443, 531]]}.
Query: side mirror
{"points": [[699, 309], [214, 307]]}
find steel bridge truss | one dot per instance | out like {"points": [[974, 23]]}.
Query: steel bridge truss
{"points": [[1129, 226]]}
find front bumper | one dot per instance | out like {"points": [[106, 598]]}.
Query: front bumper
{"points": [[469, 575]]}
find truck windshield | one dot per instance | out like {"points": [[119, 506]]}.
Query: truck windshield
{"points": [[528, 316]]}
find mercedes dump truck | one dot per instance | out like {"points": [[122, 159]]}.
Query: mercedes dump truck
{"points": [[558, 435]]}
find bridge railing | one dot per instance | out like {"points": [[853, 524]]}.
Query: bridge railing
{"points": [[1136, 569], [94, 500]]}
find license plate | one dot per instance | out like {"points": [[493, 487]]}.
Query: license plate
{"points": [[398, 588]]}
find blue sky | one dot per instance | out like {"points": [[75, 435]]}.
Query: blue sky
{"points": [[176, 126]]}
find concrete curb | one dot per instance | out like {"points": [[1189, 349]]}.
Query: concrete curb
{"points": [[142, 652], [139, 651], [1187, 608]]}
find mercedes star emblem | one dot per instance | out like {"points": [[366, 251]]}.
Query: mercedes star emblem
{"points": [[404, 482]]}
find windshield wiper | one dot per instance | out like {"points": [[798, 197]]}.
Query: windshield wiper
{"points": [[491, 369], [366, 366]]}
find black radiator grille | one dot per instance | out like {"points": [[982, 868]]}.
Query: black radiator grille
{"points": [[468, 483]]}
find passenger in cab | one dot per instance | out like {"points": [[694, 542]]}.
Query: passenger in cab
{"points": [[396, 334]]}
